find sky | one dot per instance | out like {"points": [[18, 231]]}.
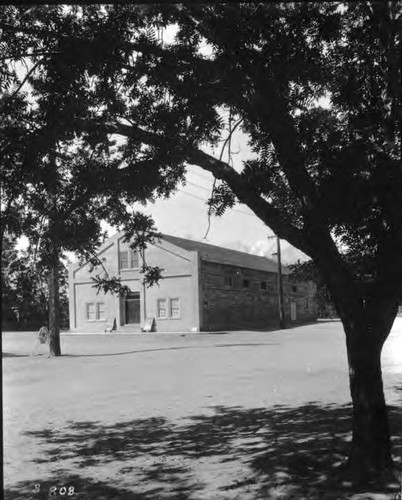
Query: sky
{"points": [[185, 215]]}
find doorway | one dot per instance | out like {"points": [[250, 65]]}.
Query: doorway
{"points": [[132, 308], [293, 311]]}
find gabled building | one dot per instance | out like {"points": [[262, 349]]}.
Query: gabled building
{"points": [[204, 288]]}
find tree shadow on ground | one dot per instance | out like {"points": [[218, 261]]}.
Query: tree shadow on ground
{"points": [[282, 452]]}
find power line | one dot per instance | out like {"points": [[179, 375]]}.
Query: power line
{"points": [[202, 187], [193, 195], [234, 209], [209, 189], [201, 176], [203, 199]]}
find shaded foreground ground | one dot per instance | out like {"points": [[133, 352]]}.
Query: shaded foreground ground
{"points": [[236, 416]]}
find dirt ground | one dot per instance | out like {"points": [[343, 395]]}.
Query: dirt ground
{"points": [[238, 415]]}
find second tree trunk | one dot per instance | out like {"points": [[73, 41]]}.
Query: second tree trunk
{"points": [[54, 311]]}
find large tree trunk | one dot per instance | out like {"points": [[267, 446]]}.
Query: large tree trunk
{"points": [[370, 459], [54, 310]]}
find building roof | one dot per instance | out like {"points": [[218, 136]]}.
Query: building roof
{"points": [[226, 255]]}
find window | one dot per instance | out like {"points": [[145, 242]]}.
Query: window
{"points": [[263, 285], [162, 313], [96, 311], [134, 260], [294, 288], [306, 304], [123, 260], [246, 283], [100, 311], [128, 259], [228, 281], [174, 308], [91, 311]]}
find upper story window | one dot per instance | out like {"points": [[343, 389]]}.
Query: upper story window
{"points": [[129, 259], [246, 283], [263, 285], [294, 288]]}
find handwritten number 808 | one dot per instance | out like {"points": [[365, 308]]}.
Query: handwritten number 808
{"points": [[62, 491], [54, 490]]}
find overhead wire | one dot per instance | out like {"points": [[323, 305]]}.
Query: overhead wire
{"points": [[202, 176], [194, 184], [204, 199], [272, 235], [207, 189]]}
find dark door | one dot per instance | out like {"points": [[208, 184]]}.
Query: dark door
{"points": [[133, 314], [293, 311]]}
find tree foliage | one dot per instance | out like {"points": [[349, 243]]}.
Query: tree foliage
{"points": [[336, 168], [57, 184], [25, 292]]}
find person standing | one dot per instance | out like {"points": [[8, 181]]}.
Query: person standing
{"points": [[42, 339]]}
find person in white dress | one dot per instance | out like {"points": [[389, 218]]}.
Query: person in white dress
{"points": [[43, 338]]}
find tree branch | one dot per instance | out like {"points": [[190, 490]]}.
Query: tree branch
{"points": [[26, 78], [124, 130], [29, 54], [246, 194], [269, 109], [221, 170], [22, 29], [387, 28], [314, 239], [227, 141]]}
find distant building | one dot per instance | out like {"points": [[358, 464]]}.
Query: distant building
{"points": [[204, 288]]}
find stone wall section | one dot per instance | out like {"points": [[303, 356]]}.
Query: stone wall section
{"points": [[235, 298]]}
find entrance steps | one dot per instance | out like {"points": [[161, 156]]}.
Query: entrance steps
{"points": [[129, 329]]}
